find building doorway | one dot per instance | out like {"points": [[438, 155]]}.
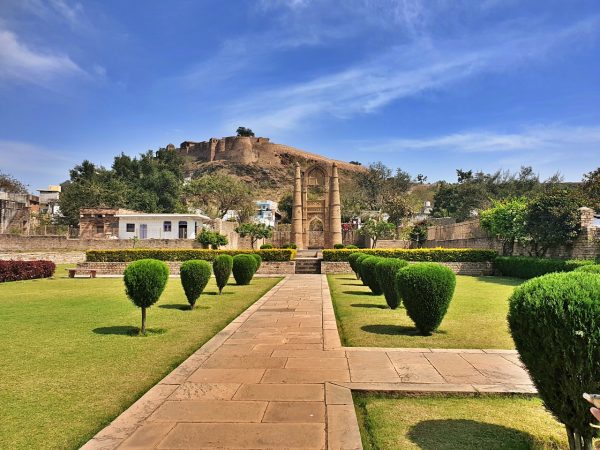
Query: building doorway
{"points": [[183, 231], [143, 231]]}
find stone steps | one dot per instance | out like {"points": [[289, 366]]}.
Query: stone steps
{"points": [[308, 265]]}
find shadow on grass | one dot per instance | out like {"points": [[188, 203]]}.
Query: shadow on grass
{"points": [[503, 281], [369, 293], [395, 330], [182, 307], [368, 305], [217, 294], [128, 330], [461, 434], [349, 278]]}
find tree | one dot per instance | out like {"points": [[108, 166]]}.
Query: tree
{"points": [[285, 205], [458, 200], [145, 281], [398, 208], [246, 132], [377, 183], [421, 179], [553, 219], [590, 189], [211, 239], [255, 231], [10, 184], [218, 193], [506, 221], [376, 230], [418, 233], [355, 163]]}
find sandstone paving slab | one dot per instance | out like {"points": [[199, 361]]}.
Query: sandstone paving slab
{"points": [[205, 391], [337, 395], [295, 412], [414, 368], [292, 353], [227, 375], [281, 392], [497, 369], [212, 411], [244, 362], [296, 376], [147, 436], [316, 363], [455, 369], [245, 436], [342, 428]]}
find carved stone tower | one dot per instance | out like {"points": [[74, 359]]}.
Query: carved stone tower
{"points": [[316, 213]]}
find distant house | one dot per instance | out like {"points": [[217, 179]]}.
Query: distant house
{"points": [[49, 200], [100, 223], [266, 213], [160, 226]]}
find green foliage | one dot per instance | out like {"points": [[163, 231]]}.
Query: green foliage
{"points": [[376, 230], [398, 207], [418, 254], [376, 184], [386, 271], [338, 246], [353, 260], [426, 289], [351, 246], [553, 219], [285, 206], [258, 261], [590, 189], [194, 278], [290, 245], [368, 273], [554, 322], [527, 267], [10, 184], [222, 266], [590, 268], [244, 267], [276, 254], [359, 260], [152, 183], [211, 239], [418, 233], [218, 193], [255, 231], [506, 221], [246, 132], [266, 246], [145, 280]]}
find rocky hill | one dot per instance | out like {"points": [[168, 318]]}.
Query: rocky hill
{"points": [[266, 166]]}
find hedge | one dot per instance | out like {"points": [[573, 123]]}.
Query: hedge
{"points": [[589, 268], [25, 270], [527, 267], [417, 254], [368, 273], [244, 267], [183, 254]]}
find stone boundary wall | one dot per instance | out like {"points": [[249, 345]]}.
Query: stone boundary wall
{"points": [[12, 243], [117, 268], [460, 268], [393, 243], [55, 257]]}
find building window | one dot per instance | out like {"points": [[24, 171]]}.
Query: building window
{"points": [[167, 226], [130, 227], [99, 229]]}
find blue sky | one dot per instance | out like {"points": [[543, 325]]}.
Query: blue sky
{"points": [[428, 86]]}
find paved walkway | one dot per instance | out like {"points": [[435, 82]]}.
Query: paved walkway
{"points": [[277, 377]]}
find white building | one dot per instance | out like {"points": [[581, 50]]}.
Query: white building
{"points": [[161, 226], [49, 200], [266, 213]]}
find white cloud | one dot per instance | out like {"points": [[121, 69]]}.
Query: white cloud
{"points": [[20, 63], [404, 71], [552, 139]]}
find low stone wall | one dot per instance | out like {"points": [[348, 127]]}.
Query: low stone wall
{"points": [[117, 268], [12, 243], [55, 257], [460, 268]]}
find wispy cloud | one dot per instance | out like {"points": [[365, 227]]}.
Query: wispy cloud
{"points": [[405, 71], [20, 63], [547, 138]]}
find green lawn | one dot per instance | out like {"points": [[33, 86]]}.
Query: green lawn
{"points": [[69, 363], [476, 317], [456, 423]]}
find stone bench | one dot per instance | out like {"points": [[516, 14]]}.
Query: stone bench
{"points": [[73, 272]]}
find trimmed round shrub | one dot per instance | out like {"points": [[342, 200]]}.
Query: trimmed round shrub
{"points": [[353, 260], [222, 266], [145, 281], [351, 247], [386, 271], [369, 275], [358, 263], [243, 268], [426, 290], [266, 246], [258, 260], [554, 321], [338, 246], [194, 278], [592, 268], [291, 245]]}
